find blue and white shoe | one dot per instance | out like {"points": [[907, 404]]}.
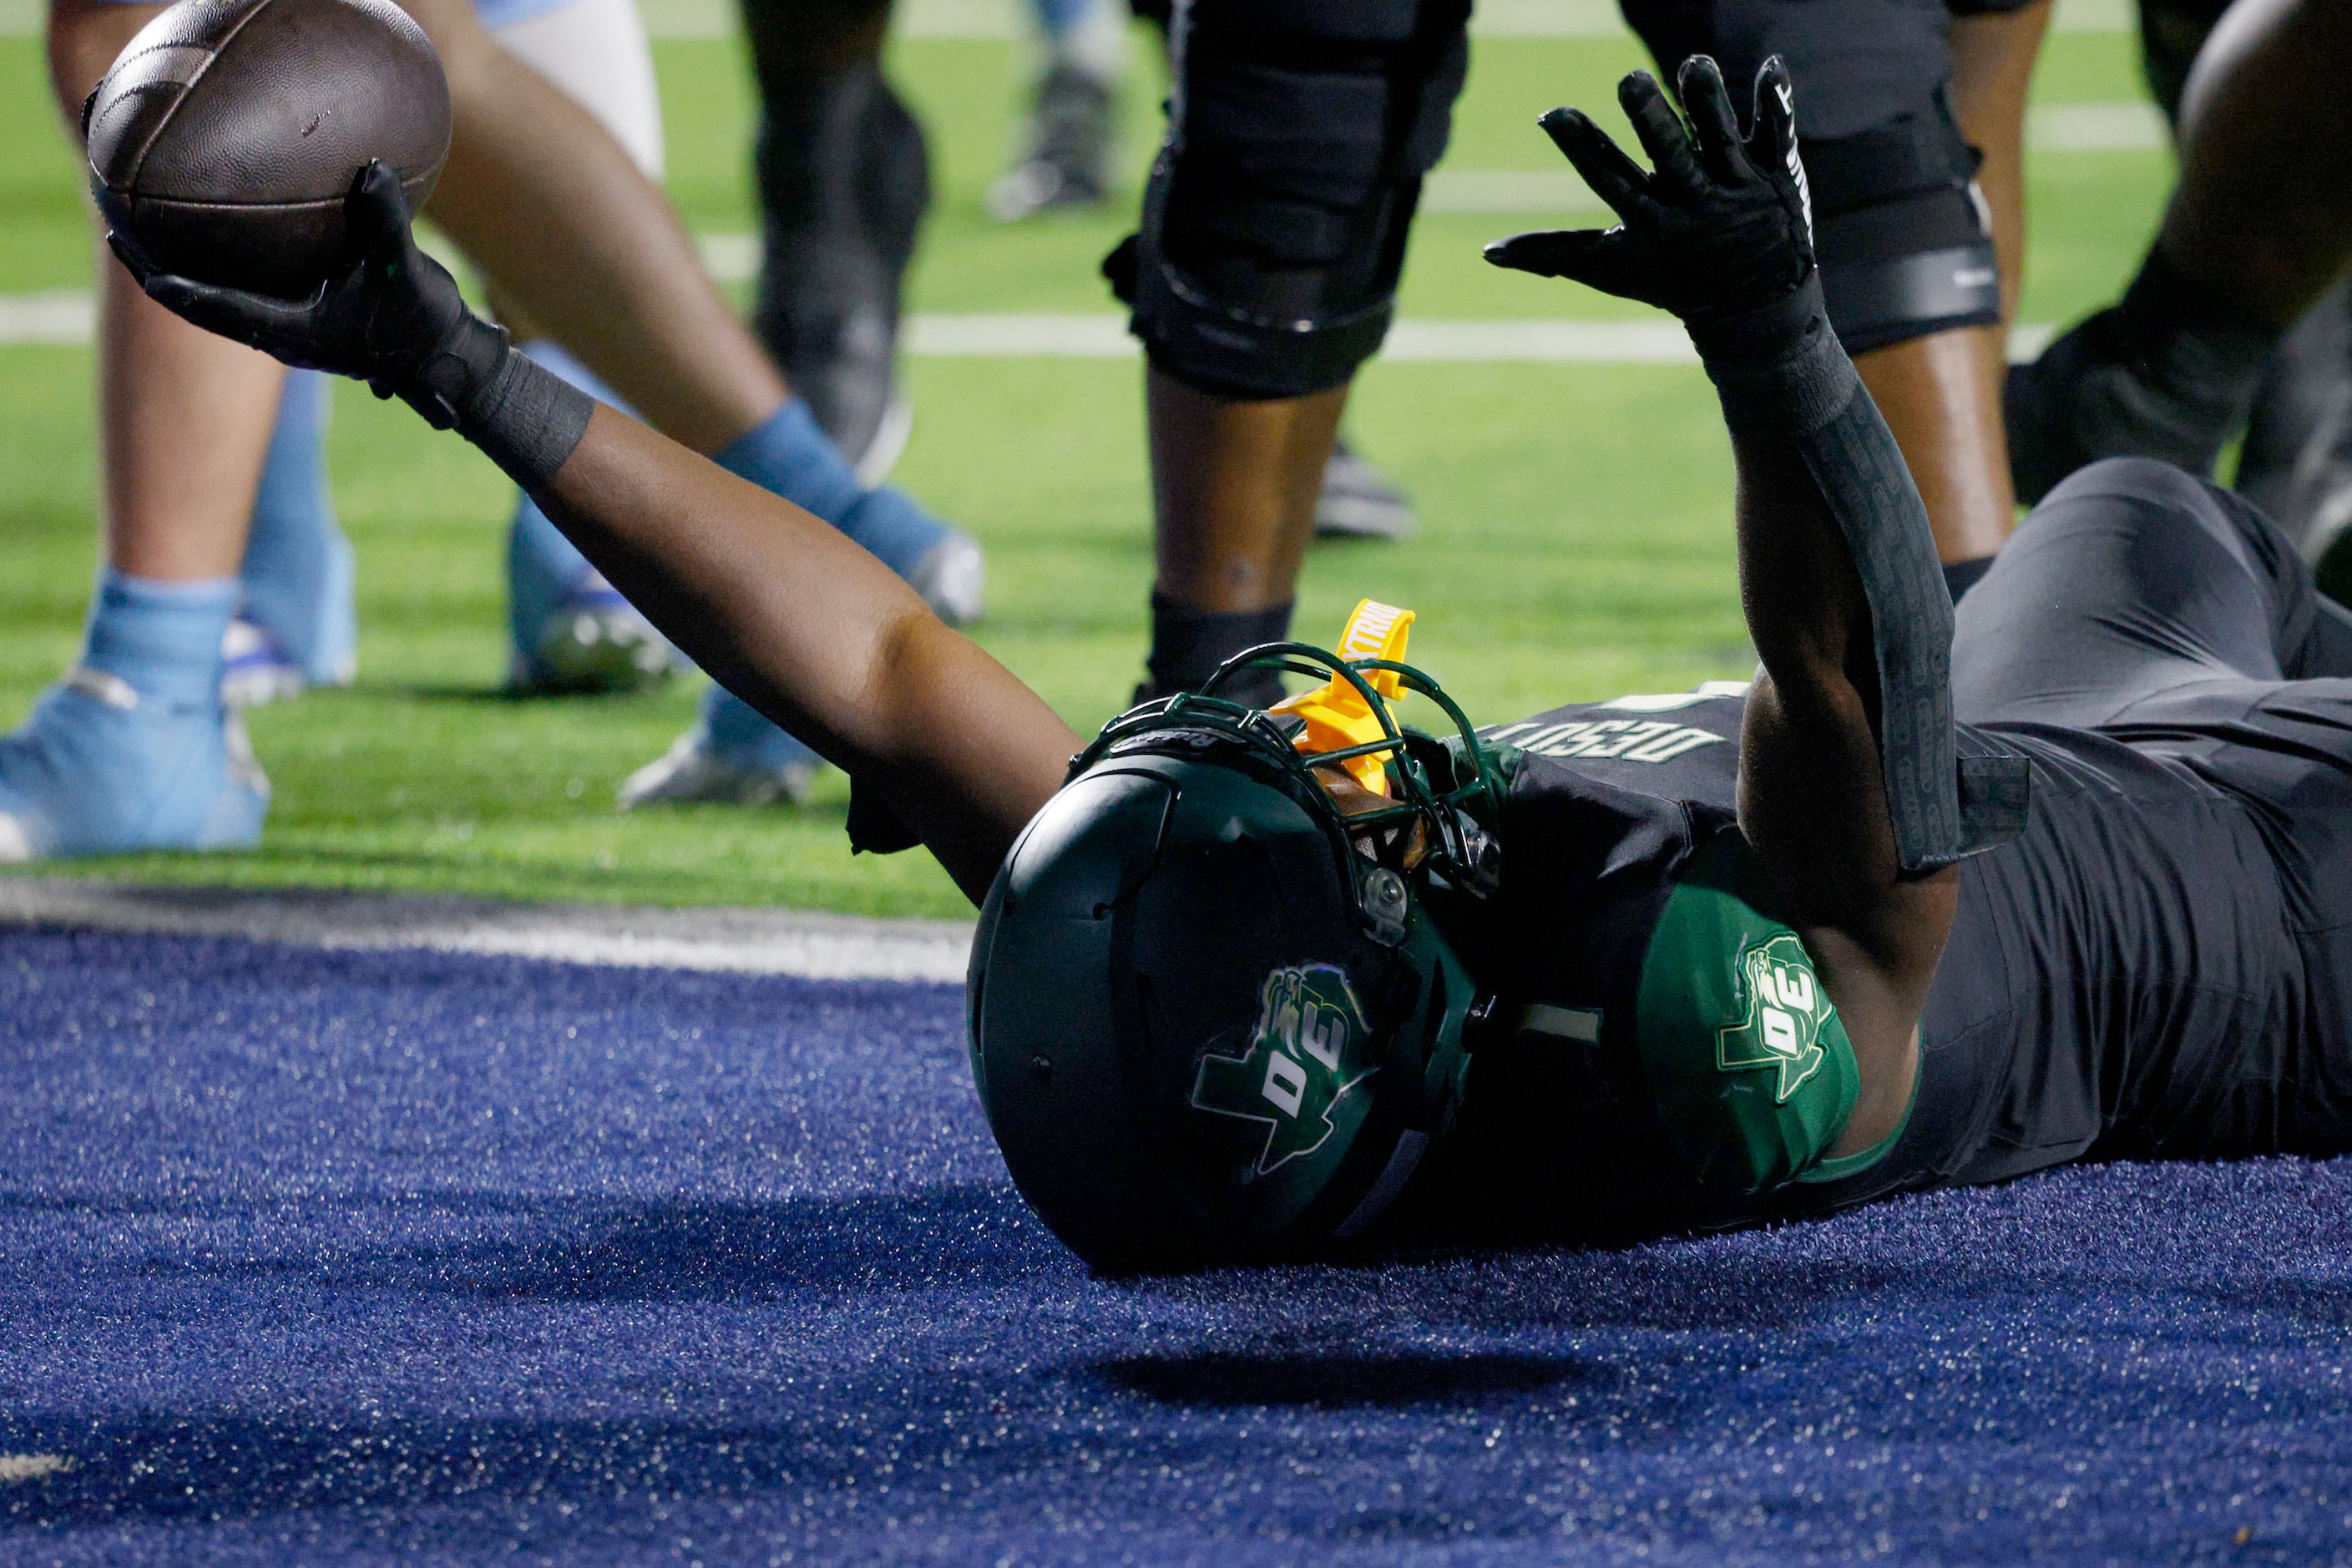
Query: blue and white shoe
{"points": [[569, 630], [99, 769], [256, 671], [591, 639], [732, 756], [952, 578]]}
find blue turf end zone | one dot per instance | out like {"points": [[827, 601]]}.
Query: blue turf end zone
{"points": [[314, 1256]]}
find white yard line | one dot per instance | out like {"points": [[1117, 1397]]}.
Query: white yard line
{"points": [[65, 318], [746, 942], [53, 316], [1102, 336], [1500, 191], [2130, 127]]}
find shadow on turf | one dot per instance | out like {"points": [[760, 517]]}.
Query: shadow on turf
{"points": [[963, 1234], [1334, 1379]]}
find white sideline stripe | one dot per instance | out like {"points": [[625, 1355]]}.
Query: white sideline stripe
{"points": [[61, 318], [741, 942], [54, 316], [1093, 335], [1009, 18], [2096, 128]]}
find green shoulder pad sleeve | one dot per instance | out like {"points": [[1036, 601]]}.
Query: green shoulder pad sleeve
{"points": [[1749, 1062]]}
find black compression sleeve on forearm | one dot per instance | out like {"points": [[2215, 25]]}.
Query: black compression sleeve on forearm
{"points": [[1782, 376], [523, 416], [526, 420]]}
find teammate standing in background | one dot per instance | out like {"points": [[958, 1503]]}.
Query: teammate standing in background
{"points": [[1912, 144], [1265, 271]]}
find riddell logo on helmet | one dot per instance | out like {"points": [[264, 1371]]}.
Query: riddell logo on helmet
{"points": [[1302, 1061]]}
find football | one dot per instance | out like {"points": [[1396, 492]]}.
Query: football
{"points": [[226, 136]]}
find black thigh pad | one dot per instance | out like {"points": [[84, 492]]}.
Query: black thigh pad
{"points": [[1275, 223], [1853, 63]]}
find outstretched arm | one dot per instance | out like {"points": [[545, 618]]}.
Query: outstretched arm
{"points": [[1849, 785], [790, 616], [820, 636]]}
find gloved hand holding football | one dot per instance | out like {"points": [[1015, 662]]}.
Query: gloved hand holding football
{"points": [[391, 316]]}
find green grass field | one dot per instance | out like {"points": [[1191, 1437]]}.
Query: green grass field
{"points": [[1575, 541]]}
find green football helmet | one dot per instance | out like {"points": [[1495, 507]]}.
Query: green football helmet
{"points": [[1211, 1018]]}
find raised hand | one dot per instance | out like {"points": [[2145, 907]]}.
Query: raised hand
{"points": [[1720, 225], [393, 317]]}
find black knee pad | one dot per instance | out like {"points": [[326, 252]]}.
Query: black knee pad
{"points": [[1903, 237], [1904, 244], [1275, 223]]}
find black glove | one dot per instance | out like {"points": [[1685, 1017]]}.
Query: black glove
{"points": [[1721, 230], [393, 318]]}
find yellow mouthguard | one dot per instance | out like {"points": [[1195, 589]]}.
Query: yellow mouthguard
{"points": [[1336, 714]]}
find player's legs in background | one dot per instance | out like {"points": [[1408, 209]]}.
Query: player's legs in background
{"points": [[572, 235], [1993, 53], [1355, 499], [844, 180], [1907, 255], [1065, 148], [569, 630], [1264, 275], [133, 749], [296, 624], [1233, 486], [555, 214], [2256, 232]]}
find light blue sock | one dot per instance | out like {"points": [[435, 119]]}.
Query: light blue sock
{"points": [[162, 638], [297, 565], [790, 455], [541, 564]]}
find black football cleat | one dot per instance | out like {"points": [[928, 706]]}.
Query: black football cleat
{"points": [[1066, 163], [1358, 502]]}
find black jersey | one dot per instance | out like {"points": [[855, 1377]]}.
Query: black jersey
{"points": [[2158, 966], [2121, 978]]}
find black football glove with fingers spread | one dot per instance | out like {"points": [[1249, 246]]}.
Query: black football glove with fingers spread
{"points": [[1718, 232], [394, 318]]}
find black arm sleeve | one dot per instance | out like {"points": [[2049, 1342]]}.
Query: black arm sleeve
{"points": [[524, 417], [1782, 376]]}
